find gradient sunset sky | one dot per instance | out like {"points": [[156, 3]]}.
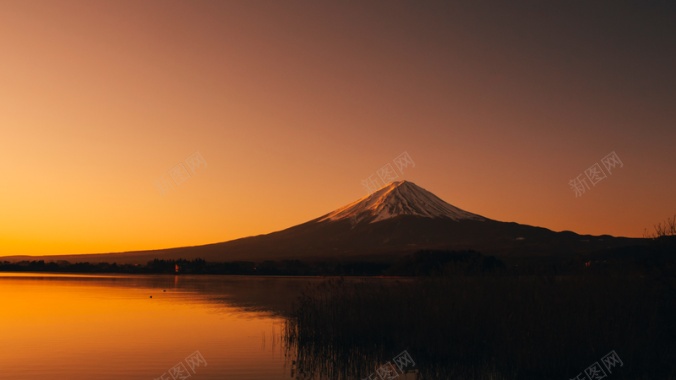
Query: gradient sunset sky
{"points": [[282, 108]]}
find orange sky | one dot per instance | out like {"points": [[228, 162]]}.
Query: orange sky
{"points": [[292, 104]]}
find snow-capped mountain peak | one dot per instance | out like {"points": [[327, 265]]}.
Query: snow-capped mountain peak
{"points": [[396, 199]]}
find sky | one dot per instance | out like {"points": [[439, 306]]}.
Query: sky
{"points": [[130, 125]]}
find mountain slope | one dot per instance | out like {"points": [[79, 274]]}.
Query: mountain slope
{"points": [[398, 219], [398, 199]]}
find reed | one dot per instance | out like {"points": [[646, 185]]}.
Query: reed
{"points": [[487, 327]]}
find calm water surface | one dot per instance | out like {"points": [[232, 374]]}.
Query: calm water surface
{"points": [[108, 326]]}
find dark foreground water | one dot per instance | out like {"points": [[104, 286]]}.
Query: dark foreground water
{"points": [[108, 327], [229, 327]]}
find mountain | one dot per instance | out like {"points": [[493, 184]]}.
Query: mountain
{"points": [[399, 199], [398, 219]]}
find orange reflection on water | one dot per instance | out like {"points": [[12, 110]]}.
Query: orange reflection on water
{"points": [[84, 327]]}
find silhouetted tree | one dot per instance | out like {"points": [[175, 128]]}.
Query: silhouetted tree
{"points": [[662, 229]]}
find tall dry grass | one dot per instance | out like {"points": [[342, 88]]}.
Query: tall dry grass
{"points": [[503, 327]]}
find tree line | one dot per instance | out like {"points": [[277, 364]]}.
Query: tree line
{"points": [[660, 257]]}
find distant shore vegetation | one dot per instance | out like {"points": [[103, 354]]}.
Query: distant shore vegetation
{"points": [[657, 258]]}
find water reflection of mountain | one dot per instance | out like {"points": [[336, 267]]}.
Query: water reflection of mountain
{"points": [[273, 295], [473, 327]]}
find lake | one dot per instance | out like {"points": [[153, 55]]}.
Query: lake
{"points": [[169, 327], [145, 327]]}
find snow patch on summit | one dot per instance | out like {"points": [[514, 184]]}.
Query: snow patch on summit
{"points": [[396, 199]]}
